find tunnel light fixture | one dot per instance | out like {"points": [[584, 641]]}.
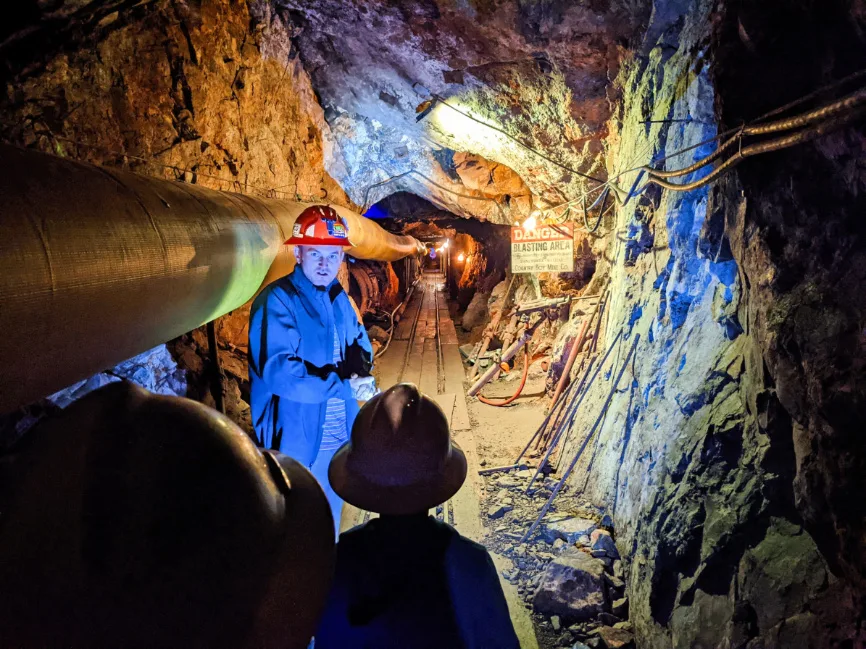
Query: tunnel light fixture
{"points": [[460, 257], [445, 245]]}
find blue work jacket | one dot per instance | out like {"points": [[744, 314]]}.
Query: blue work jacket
{"points": [[291, 359]]}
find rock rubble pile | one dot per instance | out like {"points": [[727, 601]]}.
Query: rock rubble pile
{"points": [[569, 573]]}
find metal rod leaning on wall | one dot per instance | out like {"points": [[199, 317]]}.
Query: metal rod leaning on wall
{"points": [[589, 435], [554, 431], [473, 371], [566, 423], [556, 410], [573, 405], [594, 344], [576, 347], [592, 358], [584, 373]]}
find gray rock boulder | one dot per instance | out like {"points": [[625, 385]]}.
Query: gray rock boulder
{"points": [[615, 638], [507, 482], [569, 529], [498, 510], [377, 333], [154, 370], [572, 587], [602, 540], [476, 312]]}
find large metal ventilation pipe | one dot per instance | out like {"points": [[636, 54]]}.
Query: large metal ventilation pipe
{"points": [[98, 265]]}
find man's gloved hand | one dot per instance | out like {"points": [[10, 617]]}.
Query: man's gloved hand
{"points": [[363, 388]]}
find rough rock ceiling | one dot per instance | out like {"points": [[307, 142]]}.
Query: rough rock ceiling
{"points": [[539, 70]]}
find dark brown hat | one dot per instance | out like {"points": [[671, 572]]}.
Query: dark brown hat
{"points": [[401, 459], [140, 520]]}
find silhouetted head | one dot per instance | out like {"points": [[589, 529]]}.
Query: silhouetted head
{"points": [[148, 521], [400, 459]]}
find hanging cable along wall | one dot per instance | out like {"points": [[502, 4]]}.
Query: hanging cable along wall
{"points": [[845, 111]]}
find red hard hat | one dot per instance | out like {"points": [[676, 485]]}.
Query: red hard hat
{"points": [[320, 225]]}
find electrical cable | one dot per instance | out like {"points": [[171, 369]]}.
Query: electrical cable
{"points": [[724, 146], [804, 119], [821, 116], [800, 100], [603, 200], [366, 204], [405, 302], [752, 127], [443, 101], [777, 144]]}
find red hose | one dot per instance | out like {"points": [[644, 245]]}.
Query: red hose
{"points": [[499, 404]]}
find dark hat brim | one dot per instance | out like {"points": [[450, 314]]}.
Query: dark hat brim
{"points": [[395, 500]]}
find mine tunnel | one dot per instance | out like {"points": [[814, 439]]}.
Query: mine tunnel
{"points": [[300, 299]]}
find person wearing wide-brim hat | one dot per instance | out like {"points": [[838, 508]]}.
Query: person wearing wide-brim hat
{"points": [[140, 520], [406, 580]]}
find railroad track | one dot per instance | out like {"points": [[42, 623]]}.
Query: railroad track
{"points": [[429, 289]]}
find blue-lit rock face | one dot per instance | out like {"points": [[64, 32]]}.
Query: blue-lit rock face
{"points": [[710, 458]]}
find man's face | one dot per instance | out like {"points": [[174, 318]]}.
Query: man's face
{"points": [[319, 263]]}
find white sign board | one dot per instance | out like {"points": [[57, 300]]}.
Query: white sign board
{"points": [[546, 249]]}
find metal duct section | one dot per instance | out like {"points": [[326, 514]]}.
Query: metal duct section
{"points": [[99, 265]]}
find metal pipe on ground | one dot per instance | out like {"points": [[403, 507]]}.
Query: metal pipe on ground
{"points": [[99, 265], [494, 369]]}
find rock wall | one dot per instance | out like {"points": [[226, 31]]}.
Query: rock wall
{"points": [[730, 452], [203, 92], [536, 70], [800, 240]]}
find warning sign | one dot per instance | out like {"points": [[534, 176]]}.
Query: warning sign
{"points": [[546, 249]]}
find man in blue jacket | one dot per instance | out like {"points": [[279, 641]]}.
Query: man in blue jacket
{"points": [[310, 359]]}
